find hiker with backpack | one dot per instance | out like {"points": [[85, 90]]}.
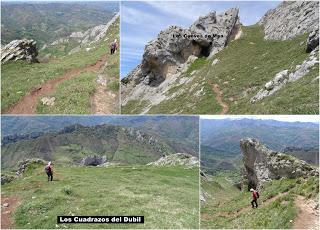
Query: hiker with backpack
{"points": [[49, 171], [255, 196], [113, 47]]}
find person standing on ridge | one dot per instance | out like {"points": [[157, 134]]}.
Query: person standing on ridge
{"points": [[255, 196], [48, 169]]}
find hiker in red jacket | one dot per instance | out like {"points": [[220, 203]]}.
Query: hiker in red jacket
{"points": [[48, 169], [255, 196]]}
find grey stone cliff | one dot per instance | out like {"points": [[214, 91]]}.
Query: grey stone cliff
{"points": [[262, 164]]}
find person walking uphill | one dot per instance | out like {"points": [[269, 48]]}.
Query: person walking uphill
{"points": [[255, 196], [113, 46], [48, 169]]}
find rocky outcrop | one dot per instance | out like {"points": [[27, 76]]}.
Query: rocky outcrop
{"points": [[312, 41], [24, 164], [284, 77], [177, 159], [262, 164], [6, 178], [87, 37], [291, 18], [174, 49], [93, 160], [20, 50]]}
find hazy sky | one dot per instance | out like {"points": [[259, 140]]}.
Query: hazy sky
{"points": [[142, 21], [288, 118]]}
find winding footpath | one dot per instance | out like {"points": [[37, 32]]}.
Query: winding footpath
{"points": [[217, 91], [103, 100], [307, 218], [28, 103]]}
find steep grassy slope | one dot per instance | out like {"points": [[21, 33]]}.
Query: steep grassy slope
{"points": [[244, 67], [118, 144], [227, 207], [166, 196], [73, 95], [18, 78]]}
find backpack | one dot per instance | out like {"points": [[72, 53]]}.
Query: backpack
{"points": [[47, 169], [257, 194]]}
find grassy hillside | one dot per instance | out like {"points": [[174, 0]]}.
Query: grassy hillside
{"points": [[180, 132], [228, 207], [46, 22], [244, 67], [72, 96], [72, 144], [166, 196]]}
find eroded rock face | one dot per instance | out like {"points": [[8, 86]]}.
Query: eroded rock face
{"points": [[93, 160], [167, 55], [20, 50], [262, 164], [87, 37], [290, 19]]}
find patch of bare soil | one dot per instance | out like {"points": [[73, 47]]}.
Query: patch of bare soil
{"points": [[308, 215], [103, 101], [8, 206], [217, 91]]}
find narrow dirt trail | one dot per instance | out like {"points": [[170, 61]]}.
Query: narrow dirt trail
{"points": [[217, 91], [308, 217], [103, 100], [28, 103], [7, 212], [241, 210]]}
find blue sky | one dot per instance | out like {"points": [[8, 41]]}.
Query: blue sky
{"points": [[142, 21]]}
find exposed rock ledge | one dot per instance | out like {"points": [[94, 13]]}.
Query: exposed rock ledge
{"points": [[20, 50], [284, 77], [262, 164], [177, 159]]}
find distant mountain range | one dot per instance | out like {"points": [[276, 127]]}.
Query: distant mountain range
{"points": [[47, 21], [117, 137], [220, 140]]}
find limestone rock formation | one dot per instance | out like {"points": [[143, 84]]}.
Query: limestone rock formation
{"points": [[24, 164], [262, 164], [20, 50], [291, 18], [177, 159], [284, 77], [174, 48], [87, 37], [93, 160], [5, 178]]}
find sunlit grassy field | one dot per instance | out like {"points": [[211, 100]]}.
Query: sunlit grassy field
{"points": [[166, 196]]}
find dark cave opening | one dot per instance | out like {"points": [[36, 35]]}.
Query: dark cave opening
{"points": [[204, 49]]}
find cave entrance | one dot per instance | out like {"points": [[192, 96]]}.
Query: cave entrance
{"points": [[202, 50]]}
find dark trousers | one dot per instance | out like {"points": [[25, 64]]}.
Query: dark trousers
{"points": [[50, 176], [254, 202], [112, 50]]}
